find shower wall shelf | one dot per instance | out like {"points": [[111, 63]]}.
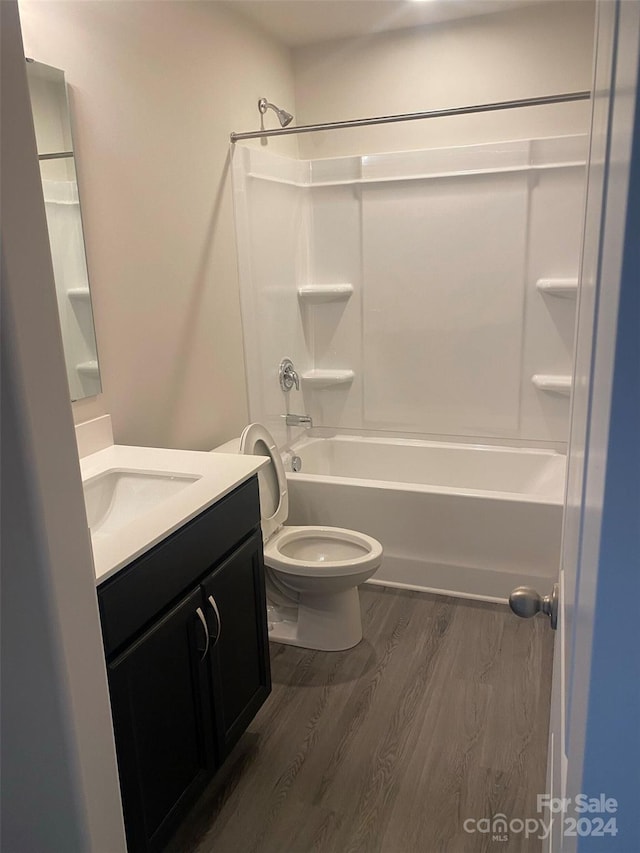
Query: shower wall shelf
{"points": [[327, 378], [79, 294], [88, 368], [553, 383], [567, 288], [324, 292]]}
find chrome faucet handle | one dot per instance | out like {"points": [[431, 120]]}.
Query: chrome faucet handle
{"points": [[288, 375]]}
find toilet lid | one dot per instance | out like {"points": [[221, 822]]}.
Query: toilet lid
{"points": [[256, 440]]}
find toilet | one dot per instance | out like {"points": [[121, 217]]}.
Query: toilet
{"points": [[312, 573]]}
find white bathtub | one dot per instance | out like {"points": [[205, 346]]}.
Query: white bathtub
{"points": [[467, 520]]}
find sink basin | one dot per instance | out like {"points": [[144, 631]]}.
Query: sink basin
{"points": [[137, 496], [116, 497]]}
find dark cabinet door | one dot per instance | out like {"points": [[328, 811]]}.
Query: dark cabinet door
{"points": [[236, 610], [161, 702]]}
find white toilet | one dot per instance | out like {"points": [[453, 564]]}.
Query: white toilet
{"points": [[312, 573]]}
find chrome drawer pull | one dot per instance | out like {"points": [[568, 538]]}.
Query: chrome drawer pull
{"points": [[200, 615], [212, 602]]}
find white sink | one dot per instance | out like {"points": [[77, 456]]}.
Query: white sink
{"points": [[137, 496], [116, 497]]}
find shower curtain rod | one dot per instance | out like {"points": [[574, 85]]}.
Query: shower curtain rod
{"points": [[453, 111]]}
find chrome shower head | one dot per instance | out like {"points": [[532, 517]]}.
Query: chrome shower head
{"points": [[284, 117]]}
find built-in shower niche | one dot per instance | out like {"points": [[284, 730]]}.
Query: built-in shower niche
{"points": [[426, 292]]}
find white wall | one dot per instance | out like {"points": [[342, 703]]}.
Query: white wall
{"points": [[445, 328], [155, 177], [539, 50], [155, 90], [59, 779]]}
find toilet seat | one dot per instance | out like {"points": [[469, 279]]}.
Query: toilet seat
{"points": [[312, 551], [319, 551], [274, 497]]}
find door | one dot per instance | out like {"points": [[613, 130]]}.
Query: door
{"points": [[236, 605], [615, 87], [160, 698]]}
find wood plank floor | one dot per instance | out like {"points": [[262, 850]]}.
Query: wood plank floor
{"points": [[440, 714]]}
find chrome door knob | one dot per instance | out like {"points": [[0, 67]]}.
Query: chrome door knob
{"points": [[526, 602]]}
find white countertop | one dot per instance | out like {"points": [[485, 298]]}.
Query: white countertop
{"points": [[218, 474]]}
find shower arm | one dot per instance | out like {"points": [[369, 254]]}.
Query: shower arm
{"points": [[566, 97]]}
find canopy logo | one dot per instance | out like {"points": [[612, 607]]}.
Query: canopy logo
{"points": [[500, 828], [581, 816]]}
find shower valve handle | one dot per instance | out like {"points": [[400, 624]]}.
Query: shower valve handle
{"points": [[288, 375]]}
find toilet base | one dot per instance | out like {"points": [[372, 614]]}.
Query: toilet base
{"points": [[328, 623]]}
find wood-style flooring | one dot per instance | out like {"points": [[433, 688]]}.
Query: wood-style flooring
{"points": [[440, 714]]}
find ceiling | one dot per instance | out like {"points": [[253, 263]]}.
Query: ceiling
{"points": [[301, 22]]}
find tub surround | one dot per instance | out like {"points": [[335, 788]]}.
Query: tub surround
{"points": [[418, 294], [365, 280]]}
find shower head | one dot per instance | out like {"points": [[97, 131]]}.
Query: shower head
{"points": [[284, 117]]}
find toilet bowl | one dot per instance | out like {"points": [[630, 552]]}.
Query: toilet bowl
{"points": [[312, 572]]}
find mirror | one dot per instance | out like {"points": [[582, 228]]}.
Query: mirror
{"points": [[50, 108]]}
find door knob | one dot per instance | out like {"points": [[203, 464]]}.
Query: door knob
{"points": [[526, 602]]}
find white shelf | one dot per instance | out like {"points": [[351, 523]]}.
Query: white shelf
{"points": [[418, 176], [324, 292], [327, 378], [88, 368], [553, 383], [81, 293], [566, 288]]}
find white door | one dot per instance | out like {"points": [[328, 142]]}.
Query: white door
{"points": [[615, 89]]}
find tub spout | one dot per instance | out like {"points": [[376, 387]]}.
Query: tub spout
{"points": [[298, 420]]}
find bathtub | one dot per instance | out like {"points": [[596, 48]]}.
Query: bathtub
{"points": [[467, 520]]}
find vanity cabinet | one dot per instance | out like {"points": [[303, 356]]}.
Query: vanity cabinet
{"points": [[240, 662], [186, 676], [163, 721]]}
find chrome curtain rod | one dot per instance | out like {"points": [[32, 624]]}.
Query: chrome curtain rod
{"points": [[453, 111]]}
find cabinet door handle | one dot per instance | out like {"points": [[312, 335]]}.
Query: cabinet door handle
{"points": [[212, 602], [200, 615]]}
